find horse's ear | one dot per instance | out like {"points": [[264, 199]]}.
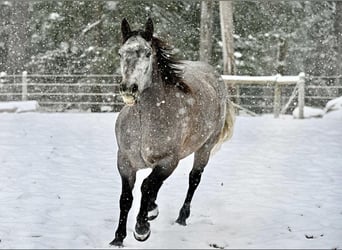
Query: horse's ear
{"points": [[149, 29], [125, 29]]}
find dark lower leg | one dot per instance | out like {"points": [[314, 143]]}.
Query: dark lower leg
{"points": [[194, 180], [149, 190], [126, 200], [152, 207], [200, 161]]}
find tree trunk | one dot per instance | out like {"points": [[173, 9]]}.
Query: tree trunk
{"points": [[338, 34], [227, 28], [18, 37], [98, 9], [282, 52], [206, 30]]}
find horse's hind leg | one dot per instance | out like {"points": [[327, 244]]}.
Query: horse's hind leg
{"points": [[149, 191], [128, 176], [200, 161]]}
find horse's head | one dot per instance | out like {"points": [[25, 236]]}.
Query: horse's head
{"points": [[136, 57]]}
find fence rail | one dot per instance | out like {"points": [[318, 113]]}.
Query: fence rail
{"points": [[63, 92], [277, 81], [260, 94]]}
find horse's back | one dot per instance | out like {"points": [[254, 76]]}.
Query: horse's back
{"points": [[198, 74]]}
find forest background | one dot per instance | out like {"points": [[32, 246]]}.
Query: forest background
{"points": [[83, 37]]}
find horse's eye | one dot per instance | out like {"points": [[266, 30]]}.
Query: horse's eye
{"points": [[119, 55], [148, 54]]}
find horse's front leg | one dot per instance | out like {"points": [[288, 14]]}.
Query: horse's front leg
{"points": [[149, 191], [128, 176], [200, 161]]}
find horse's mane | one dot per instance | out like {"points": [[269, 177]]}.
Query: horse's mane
{"points": [[171, 74]]}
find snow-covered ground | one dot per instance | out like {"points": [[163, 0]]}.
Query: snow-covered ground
{"points": [[276, 184]]}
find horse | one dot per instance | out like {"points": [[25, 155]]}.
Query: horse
{"points": [[173, 108]]}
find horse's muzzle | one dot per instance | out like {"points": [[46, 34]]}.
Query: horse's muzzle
{"points": [[129, 94], [132, 88]]}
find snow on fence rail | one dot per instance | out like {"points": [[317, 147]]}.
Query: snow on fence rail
{"points": [[260, 94], [277, 81], [274, 92]]}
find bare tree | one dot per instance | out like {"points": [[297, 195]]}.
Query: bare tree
{"points": [[338, 34], [227, 29], [206, 30], [99, 40], [17, 39], [282, 53]]}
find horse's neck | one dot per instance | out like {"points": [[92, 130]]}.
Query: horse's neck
{"points": [[156, 75], [152, 99], [158, 87]]}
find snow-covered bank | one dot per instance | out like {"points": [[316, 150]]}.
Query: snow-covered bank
{"points": [[19, 107], [333, 108], [276, 184]]}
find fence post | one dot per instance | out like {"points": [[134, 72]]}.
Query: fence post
{"points": [[24, 86], [301, 94], [277, 98]]}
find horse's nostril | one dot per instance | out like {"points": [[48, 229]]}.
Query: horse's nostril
{"points": [[123, 87], [134, 88]]}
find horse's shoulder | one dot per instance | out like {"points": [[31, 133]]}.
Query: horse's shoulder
{"points": [[125, 118], [200, 75]]}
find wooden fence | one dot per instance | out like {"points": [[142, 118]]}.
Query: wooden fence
{"points": [[64, 92], [98, 93], [276, 82]]}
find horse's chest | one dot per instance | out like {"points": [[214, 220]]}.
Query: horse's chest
{"points": [[145, 143]]}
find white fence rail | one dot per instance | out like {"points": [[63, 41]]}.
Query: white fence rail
{"points": [[260, 94], [277, 81]]}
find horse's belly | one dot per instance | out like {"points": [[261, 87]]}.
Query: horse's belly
{"points": [[193, 143], [206, 126]]}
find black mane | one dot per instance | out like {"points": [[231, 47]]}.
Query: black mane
{"points": [[167, 63]]}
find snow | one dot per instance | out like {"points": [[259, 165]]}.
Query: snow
{"points": [[55, 16], [237, 54], [263, 79], [309, 112], [276, 184], [111, 5], [19, 107], [333, 110], [335, 104]]}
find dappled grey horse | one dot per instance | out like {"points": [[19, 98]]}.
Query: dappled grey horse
{"points": [[173, 109]]}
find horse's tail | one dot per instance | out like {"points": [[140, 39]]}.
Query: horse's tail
{"points": [[228, 127]]}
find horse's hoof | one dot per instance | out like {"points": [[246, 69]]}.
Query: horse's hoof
{"points": [[142, 237], [116, 242], [153, 213], [181, 222]]}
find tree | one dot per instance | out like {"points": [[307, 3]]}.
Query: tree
{"points": [[83, 36], [227, 30], [5, 14], [338, 34], [206, 30], [16, 38]]}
